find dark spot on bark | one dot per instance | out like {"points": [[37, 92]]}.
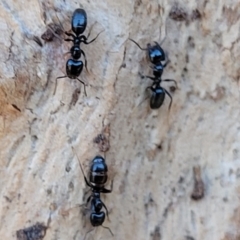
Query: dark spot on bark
{"points": [[181, 180], [37, 40], [159, 147], [8, 199], [172, 89], [191, 43], [52, 31], [178, 14], [35, 232], [71, 186], [196, 15], [75, 97], [68, 168], [49, 191], [189, 238], [16, 107], [102, 139], [198, 190], [165, 213], [156, 235]]}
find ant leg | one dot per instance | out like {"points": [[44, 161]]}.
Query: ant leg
{"points": [[83, 53], [169, 107], [82, 170], [149, 88], [56, 83], [69, 34], [167, 60], [104, 190], [166, 63], [158, 44], [85, 39], [68, 40], [86, 203], [152, 87], [144, 49], [170, 80], [90, 30], [88, 233], [83, 85], [152, 78], [108, 229], [106, 210]]}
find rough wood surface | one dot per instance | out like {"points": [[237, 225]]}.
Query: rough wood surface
{"points": [[176, 174]]}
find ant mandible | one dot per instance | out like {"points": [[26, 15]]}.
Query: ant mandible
{"points": [[74, 66], [156, 56], [97, 179]]}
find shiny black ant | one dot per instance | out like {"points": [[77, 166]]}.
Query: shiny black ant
{"points": [[97, 179], [156, 56], [74, 66]]}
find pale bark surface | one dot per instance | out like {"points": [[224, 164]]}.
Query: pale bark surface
{"points": [[152, 153]]}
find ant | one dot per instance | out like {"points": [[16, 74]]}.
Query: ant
{"points": [[156, 56], [74, 66], [97, 179]]}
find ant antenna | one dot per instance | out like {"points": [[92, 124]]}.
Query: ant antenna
{"points": [[165, 35], [90, 29], [144, 49], [79, 162]]}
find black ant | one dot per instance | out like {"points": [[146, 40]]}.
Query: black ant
{"points": [[156, 56], [74, 66], [97, 179]]}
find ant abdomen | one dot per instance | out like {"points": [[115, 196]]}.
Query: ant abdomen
{"points": [[97, 219], [157, 98], [73, 68]]}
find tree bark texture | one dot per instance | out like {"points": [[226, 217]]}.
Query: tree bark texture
{"points": [[176, 173]]}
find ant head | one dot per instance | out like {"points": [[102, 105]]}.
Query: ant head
{"points": [[98, 171], [155, 53], [79, 21], [99, 165], [75, 52]]}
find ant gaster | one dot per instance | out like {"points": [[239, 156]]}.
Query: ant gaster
{"points": [[74, 66], [156, 56], [97, 179]]}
